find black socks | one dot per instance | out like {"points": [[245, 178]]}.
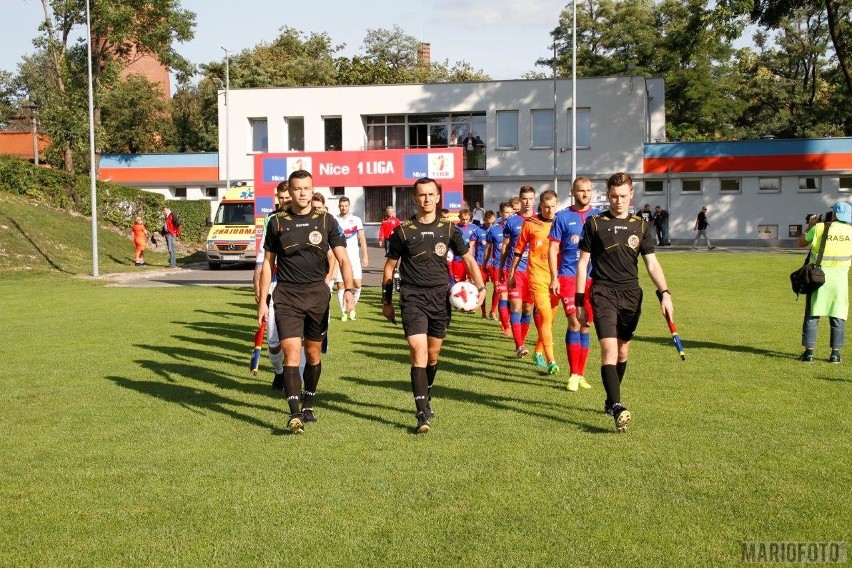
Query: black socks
{"points": [[420, 388]]}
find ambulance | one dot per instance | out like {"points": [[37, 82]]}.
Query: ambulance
{"points": [[231, 236]]}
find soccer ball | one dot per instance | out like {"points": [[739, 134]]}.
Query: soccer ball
{"points": [[463, 296]]}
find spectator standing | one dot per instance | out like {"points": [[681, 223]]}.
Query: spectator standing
{"points": [[832, 298], [701, 225], [389, 223], [140, 240], [477, 214], [170, 230], [661, 224]]}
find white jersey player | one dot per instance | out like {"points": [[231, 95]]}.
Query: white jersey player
{"points": [[356, 247]]}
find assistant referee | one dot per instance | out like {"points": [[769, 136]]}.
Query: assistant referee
{"points": [[613, 241], [419, 246]]}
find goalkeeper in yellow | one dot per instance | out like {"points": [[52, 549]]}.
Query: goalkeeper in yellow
{"points": [[534, 236]]}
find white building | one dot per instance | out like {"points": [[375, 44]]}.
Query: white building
{"points": [[616, 117]]}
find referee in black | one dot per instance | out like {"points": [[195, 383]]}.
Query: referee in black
{"points": [[419, 246], [298, 239], [613, 241]]}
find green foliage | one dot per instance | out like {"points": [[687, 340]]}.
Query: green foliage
{"points": [[177, 455], [135, 119], [117, 204], [193, 215]]}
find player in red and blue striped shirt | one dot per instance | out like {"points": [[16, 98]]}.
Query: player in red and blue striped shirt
{"points": [[565, 235]]}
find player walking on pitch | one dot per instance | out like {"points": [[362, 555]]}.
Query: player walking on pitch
{"points": [[533, 242], [296, 246], [520, 300], [613, 241], [353, 231], [418, 248], [564, 253]]}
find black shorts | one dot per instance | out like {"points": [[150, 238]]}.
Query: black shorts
{"points": [[617, 311], [301, 310], [425, 310]]}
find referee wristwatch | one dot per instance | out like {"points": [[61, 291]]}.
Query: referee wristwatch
{"points": [[480, 289], [661, 292]]}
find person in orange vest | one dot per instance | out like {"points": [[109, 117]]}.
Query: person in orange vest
{"points": [[140, 239]]}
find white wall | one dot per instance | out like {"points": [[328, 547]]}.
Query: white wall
{"points": [[619, 112]]}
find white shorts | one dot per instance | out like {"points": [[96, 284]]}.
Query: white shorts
{"points": [[357, 272], [271, 329]]}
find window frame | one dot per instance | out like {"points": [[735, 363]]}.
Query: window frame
{"points": [[699, 181], [536, 144], [500, 129], [253, 123]]}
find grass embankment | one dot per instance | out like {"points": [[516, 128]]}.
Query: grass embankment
{"points": [[36, 238], [133, 434]]}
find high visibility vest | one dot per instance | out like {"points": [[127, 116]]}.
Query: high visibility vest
{"points": [[838, 246]]}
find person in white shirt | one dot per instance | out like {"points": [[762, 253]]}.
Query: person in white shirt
{"points": [[353, 230]]}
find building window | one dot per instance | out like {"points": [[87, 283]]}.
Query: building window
{"points": [[769, 185], [808, 184], [845, 184], [542, 128], [584, 127], [376, 199], [473, 194], [507, 129], [259, 134], [653, 186], [180, 193], [333, 133], [211, 192], [295, 133], [729, 185], [385, 132], [691, 185], [338, 191]]}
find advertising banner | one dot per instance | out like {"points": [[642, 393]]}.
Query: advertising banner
{"points": [[364, 168]]}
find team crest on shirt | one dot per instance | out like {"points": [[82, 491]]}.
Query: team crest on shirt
{"points": [[633, 242], [575, 239], [441, 249], [315, 237]]}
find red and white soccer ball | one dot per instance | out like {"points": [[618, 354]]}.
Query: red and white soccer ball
{"points": [[463, 296]]}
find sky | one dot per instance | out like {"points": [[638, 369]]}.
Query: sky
{"points": [[504, 38]]}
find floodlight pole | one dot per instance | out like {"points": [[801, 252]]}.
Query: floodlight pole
{"points": [[94, 191], [574, 94], [227, 119], [555, 148]]}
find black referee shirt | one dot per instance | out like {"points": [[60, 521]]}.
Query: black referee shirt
{"points": [[615, 246], [301, 244], [422, 250]]}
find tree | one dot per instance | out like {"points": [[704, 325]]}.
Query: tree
{"points": [[135, 118], [194, 118], [838, 14], [393, 48], [121, 29]]}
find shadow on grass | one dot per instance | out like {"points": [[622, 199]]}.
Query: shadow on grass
{"points": [[540, 409], [36, 247], [727, 347], [196, 400]]}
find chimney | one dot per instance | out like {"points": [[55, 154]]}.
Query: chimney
{"points": [[424, 54]]}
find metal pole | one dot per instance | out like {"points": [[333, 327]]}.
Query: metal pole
{"points": [[555, 148], [574, 95], [35, 134], [94, 190], [227, 119]]}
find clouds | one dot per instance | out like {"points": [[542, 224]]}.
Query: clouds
{"points": [[499, 13]]}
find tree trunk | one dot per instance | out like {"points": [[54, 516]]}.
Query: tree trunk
{"points": [[840, 46]]}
